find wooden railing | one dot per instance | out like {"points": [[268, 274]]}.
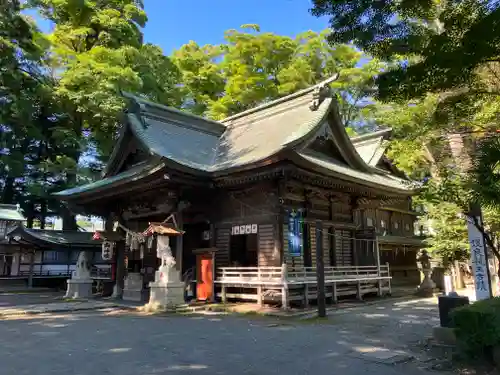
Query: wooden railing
{"points": [[46, 273], [303, 275], [261, 275], [95, 273], [342, 273]]}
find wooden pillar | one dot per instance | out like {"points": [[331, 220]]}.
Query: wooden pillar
{"points": [[377, 260], [32, 264], [223, 293], [120, 270], [284, 287], [179, 245], [358, 291], [214, 266], [279, 240], [320, 270], [259, 295], [306, 295]]}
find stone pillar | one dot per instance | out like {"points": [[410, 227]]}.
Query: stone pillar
{"points": [[80, 284]]}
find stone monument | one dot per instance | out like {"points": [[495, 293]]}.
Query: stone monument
{"points": [[167, 291], [426, 288], [80, 284]]}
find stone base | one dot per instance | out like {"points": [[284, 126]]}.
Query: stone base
{"points": [[425, 292], [166, 296], [133, 288], [117, 292], [444, 335], [79, 288]]}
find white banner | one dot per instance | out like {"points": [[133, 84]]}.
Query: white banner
{"points": [[478, 259]]}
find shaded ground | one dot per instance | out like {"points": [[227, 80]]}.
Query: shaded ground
{"points": [[112, 341], [380, 339], [9, 299]]}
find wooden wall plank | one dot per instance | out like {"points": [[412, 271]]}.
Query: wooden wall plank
{"points": [[223, 236], [312, 236], [267, 254], [343, 247]]}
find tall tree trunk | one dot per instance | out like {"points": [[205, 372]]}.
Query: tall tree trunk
{"points": [[30, 215], [68, 219], [43, 213], [8, 191]]}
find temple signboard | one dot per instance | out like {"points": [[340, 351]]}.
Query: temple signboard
{"points": [[107, 250], [479, 261]]}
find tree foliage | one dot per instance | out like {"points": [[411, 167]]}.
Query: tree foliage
{"points": [[444, 79], [62, 92], [254, 67], [448, 40]]}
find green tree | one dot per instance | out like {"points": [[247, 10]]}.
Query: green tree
{"points": [[447, 49], [447, 41], [96, 53], [253, 67]]}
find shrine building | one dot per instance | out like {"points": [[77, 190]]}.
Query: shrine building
{"points": [[247, 194]]}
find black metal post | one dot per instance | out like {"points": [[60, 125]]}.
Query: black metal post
{"points": [[320, 270]]}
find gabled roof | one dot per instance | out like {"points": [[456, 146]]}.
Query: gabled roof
{"points": [[210, 146], [11, 212], [372, 146], [274, 131], [52, 238]]}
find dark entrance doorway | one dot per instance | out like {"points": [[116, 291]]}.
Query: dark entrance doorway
{"points": [[243, 250]]}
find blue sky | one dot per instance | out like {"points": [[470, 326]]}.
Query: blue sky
{"points": [[173, 23]]}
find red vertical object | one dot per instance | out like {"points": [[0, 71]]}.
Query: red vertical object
{"points": [[204, 277]]}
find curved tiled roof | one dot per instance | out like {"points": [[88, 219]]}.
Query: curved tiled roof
{"points": [[246, 140], [371, 146], [10, 212], [57, 238]]}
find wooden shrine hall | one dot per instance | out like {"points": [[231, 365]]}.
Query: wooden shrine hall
{"points": [[246, 193]]}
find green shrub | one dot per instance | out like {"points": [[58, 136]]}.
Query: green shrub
{"points": [[477, 326]]}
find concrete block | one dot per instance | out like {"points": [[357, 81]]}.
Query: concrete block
{"points": [[79, 288], [445, 335]]}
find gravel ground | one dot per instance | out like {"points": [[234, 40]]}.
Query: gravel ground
{"points": [[377, 339]]}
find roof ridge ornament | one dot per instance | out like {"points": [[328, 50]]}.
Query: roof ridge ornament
{"points": [[135, 106], [321, 91]]}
